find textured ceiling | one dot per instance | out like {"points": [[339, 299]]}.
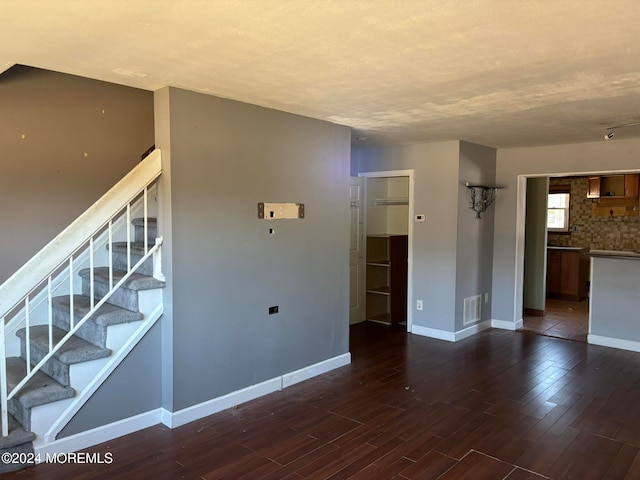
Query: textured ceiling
{"points": [[499, 73]]}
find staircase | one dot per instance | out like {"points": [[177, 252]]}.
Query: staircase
{"points": [[74, 312], [64, 378]]}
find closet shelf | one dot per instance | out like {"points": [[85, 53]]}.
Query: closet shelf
{"points": [[379, 290], [392, 201]]}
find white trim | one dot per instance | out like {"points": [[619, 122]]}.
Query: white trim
{"points": [[506, 325], [101, 434], [472, 330], [215, 405], [387, 173], [316, 369], [613, 342], [521, 218], [433, 333], [451, 336], [399, 173]]}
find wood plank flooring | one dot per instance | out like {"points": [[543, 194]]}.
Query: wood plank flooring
{"points": [[499, 405]]}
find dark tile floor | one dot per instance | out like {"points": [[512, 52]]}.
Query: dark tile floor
{"points": [[499, 405], [562, 319]]}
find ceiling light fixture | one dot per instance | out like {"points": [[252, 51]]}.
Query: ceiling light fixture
{"points": [[609, 136]]}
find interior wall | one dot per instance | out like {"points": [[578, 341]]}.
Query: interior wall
{"points": [[435, 169], [228, 270], [64, 141], [474, 256], [535, 260], [513, 165]]}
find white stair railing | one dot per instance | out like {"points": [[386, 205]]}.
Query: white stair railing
{"points": [[40, 276]]}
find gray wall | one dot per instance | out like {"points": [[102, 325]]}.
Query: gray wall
{"points": [[225, 157], [474, 256], [614, 298], [513, 166], [434, 241], [535, 256], [133, 388], [46, 180]]}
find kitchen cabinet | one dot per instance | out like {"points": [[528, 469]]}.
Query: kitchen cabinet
{"points": [[593, 187], [613, 186], [567, 273]]}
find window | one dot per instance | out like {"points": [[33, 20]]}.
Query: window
{"points": [[558, 208]]}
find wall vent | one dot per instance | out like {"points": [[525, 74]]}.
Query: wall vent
{"points": [[472, 309]]}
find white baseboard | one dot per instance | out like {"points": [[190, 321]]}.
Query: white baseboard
{"points": [[433, 333], [472, 330], [215, 405], [101, 434], [450, 336], [506, 325], [316, 369], [613, 342]]}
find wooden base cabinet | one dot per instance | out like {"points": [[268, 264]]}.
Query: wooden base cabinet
{"points": [[386, 277], [567, 274]]}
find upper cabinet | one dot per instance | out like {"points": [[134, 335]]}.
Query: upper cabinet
{"points": [[593, 187], [631, 183], [613, 186]]}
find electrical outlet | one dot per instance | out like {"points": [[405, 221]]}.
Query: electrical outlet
{"points": [[273, 310], [418, 304], [486, 298]]}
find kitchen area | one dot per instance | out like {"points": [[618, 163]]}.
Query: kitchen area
{"points": [[592, 259]]}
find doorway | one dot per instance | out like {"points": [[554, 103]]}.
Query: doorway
{"points": [[385, 284], [556, 269]]}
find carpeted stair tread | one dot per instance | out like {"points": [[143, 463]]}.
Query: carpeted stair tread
{"points": [[135, 282], [106, 315], [139, 222], [137, 248], [75, 350], [17, 435], [39, 390]]}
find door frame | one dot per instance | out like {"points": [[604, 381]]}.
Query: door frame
{"points": [[397, 173], [360, 286]]}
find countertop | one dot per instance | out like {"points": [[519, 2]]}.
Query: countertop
{"points": [[567, 249], [613, 254]]}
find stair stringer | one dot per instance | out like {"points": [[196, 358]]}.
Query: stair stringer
{"points": [[48, 420]]}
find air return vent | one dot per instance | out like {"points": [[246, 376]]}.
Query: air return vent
{"points": [[472, 309]]}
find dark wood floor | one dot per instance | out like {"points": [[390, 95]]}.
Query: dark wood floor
{"points": [[499, 405], [562, 319]]}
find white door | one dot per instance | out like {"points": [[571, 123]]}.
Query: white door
{"points": [[356, 258]]}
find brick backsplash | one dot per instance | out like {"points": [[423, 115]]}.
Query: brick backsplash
{"points": [[596, 233]]}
